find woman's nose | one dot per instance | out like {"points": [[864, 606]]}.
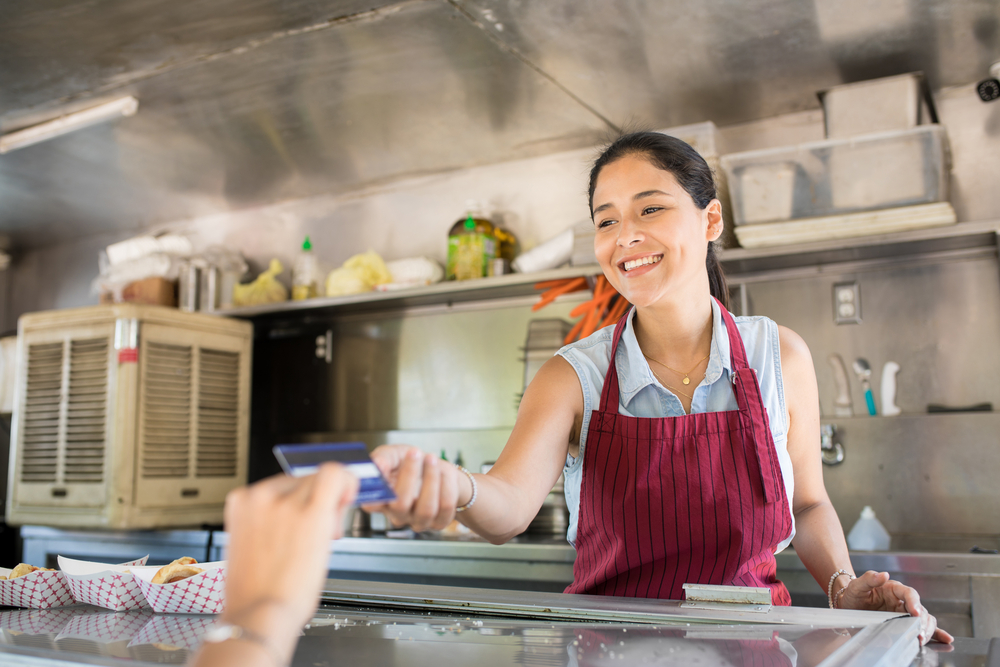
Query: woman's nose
{"points": [[629, 233]]}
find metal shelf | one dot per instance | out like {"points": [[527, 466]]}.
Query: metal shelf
{"points": [[449, 292], [962, 239]]}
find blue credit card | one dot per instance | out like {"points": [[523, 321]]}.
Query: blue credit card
{"points": [[302, 460]]}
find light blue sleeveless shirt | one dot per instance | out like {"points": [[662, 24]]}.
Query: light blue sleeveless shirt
{"points": [[642, 395]]}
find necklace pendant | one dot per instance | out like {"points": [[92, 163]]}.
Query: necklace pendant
{"points": [[686, 380]]}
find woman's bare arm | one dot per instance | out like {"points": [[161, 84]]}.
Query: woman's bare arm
{"points": [[428, 489]]}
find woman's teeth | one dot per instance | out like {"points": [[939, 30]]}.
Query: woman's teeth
{"points": [[642, 261]]}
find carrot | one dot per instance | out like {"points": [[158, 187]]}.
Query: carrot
{"points": [[596, 302], [550, 295], [573, 333], [546, 284], [591, 321], [616, 312]]}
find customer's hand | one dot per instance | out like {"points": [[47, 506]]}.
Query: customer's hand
{"points": [[279, 534], [875, 591], [427, 488]]}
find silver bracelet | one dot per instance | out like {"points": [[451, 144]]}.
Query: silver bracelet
{"points": [[475, 491], [222, 632], [829, 587]]}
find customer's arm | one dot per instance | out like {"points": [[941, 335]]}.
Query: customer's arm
{"points": [[279, 534]]}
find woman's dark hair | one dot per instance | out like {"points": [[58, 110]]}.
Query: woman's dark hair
{"points": [[688, 167]]}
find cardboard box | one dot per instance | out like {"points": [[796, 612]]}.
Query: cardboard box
{"points": [[151, 291]]}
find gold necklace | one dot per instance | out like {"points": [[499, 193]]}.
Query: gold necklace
{"points": [[674, 389], [686, 379]]}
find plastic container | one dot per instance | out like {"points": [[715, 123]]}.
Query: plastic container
{"points": [[553, 253], [868, 534], [834, 177], [305, 274], [703, 137], [891, 103]]}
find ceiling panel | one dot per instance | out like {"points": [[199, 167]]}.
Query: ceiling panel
{"points": [[248, 102], [660, 63], [414, 89]]}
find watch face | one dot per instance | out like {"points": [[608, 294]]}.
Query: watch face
{"points": [[220, 633]]}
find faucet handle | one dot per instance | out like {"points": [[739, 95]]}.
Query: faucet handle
{"points": [[831, 452]]}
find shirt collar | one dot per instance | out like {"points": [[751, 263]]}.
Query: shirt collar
{"points": [[634, 373]]}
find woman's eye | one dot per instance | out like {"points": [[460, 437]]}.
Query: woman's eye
{"points": [[651, 209], [604, 223]]}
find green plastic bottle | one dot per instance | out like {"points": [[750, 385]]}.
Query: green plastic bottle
{"points": [[472, 247], [305, 274]]}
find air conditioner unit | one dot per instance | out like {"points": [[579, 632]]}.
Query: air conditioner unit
{"points": [[128, 416]]}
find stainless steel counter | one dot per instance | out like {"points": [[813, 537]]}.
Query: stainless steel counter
{"points": [[962, 590], [392, 624]]}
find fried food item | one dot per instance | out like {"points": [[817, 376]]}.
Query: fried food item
{"points": [[182, 568], [23, 568], [3, 578]]}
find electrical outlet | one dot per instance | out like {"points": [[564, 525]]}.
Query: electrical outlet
{"points": [[847, 303]]}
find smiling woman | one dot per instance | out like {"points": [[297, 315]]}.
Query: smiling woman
{"points": [[688, 438]]}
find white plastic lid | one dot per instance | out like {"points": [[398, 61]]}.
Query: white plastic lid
{"points": [[867, 512]]}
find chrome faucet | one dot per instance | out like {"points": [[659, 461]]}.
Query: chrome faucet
{"points": [[832, 452]]}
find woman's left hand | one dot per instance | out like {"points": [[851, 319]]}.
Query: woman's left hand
{"points": [[875, 591]]}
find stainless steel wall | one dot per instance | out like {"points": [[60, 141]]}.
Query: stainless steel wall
{"points": [[540, 196], [448, 378], [940, 321]]}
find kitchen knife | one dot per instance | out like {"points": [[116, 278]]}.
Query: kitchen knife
{"points": [[842, 405]]}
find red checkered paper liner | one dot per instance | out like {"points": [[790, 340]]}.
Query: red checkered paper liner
{"points": [[177, 631], [201, 594], [40, 589], [45, 622], [106, 626], [102, 585]]}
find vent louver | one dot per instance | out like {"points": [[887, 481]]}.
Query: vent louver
{"points": [[167, 406], [43, 395], [86, 411], [218, 413]]}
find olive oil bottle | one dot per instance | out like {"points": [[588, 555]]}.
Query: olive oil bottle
{"points": [[472, 247]]}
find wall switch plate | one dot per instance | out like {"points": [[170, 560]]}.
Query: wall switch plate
{"points": [[847, 303]]}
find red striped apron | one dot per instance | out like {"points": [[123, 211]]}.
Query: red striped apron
{"points": [[666, 501]]}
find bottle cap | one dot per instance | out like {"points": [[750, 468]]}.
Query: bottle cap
{"points": [[470, 223], [867, 512], [306, 245]]}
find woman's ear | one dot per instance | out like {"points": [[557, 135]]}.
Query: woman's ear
{"points": [[713, 212]]}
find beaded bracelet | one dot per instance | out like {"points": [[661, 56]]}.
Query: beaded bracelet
{"points": [[829, 587], [475, 491]]}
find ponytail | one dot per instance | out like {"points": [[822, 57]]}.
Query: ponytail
{"points": [[717, 284]]}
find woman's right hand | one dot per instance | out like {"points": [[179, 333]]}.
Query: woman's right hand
{"points": [[428, 489]]}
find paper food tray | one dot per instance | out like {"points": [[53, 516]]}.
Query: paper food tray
{"points": [[45, 622], [40, 589], [174, 632], [106, 627], [201, 594], [103, 585]]}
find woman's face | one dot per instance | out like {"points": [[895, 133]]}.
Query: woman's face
{"points": [[651, 238]]}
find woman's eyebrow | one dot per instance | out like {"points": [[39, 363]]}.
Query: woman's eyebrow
{"points": [[635, 197], [649, 193]]}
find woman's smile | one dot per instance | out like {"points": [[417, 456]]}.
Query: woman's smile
{"points": [[636, 266]]}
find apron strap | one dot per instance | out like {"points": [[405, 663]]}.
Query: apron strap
{"points": [[609, 393], [753, 416]]}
